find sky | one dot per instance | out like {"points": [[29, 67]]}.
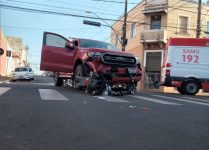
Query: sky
{"points": [[30, 26]]}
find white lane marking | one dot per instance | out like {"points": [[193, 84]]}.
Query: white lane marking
{"points": [[6, 81], [49, 84], [154, 100], [111, 99], [182, 100], [50, 94], [197, 99], [43, 83], [3, 90]]}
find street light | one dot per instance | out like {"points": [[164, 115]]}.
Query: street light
{"points": [[99, 24], [90, 12]]}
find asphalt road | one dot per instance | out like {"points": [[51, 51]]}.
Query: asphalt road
{"points": [[38, 116]]}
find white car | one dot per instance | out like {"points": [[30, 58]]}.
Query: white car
{"points": [[23, 73]]}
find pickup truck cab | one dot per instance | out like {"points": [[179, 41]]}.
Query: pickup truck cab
{"points": [[93, 65]]}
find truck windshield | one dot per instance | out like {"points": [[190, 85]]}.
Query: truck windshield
{"points": [[96, 44]]}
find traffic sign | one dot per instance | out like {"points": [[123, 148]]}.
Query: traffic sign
{"points": [[92, 23]]}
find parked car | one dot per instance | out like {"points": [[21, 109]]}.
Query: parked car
{"points": [[23, 73], [93, 65], [186, 65]]}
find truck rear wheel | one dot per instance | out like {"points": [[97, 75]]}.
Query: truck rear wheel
{"points": [[191, 87], [57, 80]]}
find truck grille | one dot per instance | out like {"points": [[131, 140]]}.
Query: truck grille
{"points": [[118, 60]]}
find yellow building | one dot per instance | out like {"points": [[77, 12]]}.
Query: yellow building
{"points": [[19, 48], [6, 59], [150, 24]]}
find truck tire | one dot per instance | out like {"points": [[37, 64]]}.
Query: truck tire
{"points": [[180, 90], [78, 72], [57, 80], [191, 87]]}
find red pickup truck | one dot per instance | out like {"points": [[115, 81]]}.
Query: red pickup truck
{"points": [[95, 66]]}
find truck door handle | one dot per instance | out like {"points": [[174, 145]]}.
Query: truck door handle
{"points": [[48, 50]]}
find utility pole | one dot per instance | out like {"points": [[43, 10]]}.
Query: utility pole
{"points": [[198, 32], [123, 38]]}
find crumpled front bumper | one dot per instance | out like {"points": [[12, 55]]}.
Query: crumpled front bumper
{"points": [[120, 74]]}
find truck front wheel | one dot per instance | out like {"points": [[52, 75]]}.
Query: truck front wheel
{"points": [[78, 73], [57, 80], [191, 87]]}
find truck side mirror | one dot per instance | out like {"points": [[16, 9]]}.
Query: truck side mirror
{"points": [[70, 45]]}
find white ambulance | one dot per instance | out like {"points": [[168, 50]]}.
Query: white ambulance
{"points": [[186, 65]]}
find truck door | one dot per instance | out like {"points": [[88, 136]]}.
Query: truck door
{"points": [[55, 56]]}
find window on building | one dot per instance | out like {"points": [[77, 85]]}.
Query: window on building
{"points": [[207, 29], [155, 22], [133, 30], [116, 40], [183, 24]]}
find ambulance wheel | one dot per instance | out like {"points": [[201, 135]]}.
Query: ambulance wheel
{"points": [[180, 90], [191, 87], [57, 80]]}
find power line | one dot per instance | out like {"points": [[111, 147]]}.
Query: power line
{"points": [[54, 13], [111, 1], [52, 6], [55, 1], [44, 29]]}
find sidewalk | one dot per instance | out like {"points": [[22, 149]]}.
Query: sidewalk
{"points": [[3, 78]]}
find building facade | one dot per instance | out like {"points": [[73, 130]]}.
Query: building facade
{"points": [[6, 61], [15, 54], [150, 24], [20, 51]]}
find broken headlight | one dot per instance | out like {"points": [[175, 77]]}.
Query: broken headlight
{"points": [[94, 54]]}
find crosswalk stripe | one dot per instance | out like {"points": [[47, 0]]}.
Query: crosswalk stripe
{"points": [[197, 99], [182, 100], [111, 99], [50, 94], [154, 100], [48, 84], [3, 90]]}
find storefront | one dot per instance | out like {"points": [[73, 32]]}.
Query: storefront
{"points": [[153, 60]]}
